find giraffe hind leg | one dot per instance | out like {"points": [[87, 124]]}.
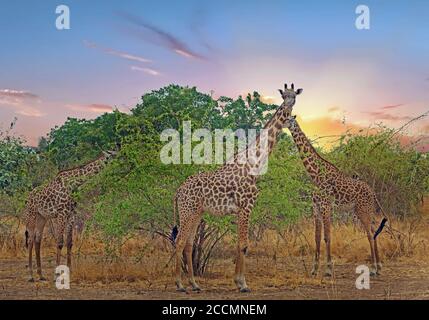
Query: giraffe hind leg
{"points": [[377, 262], [40, 225], [188, 252], [326, 215], [30, 252], [178, 254], [61, 226], [377, 258], [364, 214], [242, 247], [69, 241], [317, 237], [183, 237]]}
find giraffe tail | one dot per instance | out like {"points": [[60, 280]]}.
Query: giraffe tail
{"points": [[26, 239], [175, 229], [379, 209], [380, 228]]}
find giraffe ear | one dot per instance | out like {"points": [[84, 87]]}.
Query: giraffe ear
{"points": [[294, 116], [299, 91], [281, 92]]}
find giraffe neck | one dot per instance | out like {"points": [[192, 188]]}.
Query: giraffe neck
{"points": [[319, 169], [274, 127], [76, 177], [258, 151]]}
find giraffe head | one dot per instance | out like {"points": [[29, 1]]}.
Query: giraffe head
{"points": [[109, 154], [289, 96]]}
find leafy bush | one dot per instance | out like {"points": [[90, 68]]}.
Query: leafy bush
{"points": [[398, 174]]}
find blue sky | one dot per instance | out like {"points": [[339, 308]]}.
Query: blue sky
{"points": [[230, 47]]}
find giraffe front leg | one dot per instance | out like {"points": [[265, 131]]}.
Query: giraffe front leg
{"points": [[242, 247]]}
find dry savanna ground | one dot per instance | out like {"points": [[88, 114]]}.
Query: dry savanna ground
{"points": [[278, 267]]}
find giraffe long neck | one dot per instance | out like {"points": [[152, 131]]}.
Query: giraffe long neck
{"points": [[257, 152], [319, 169], [274, 127], [76, 177]]}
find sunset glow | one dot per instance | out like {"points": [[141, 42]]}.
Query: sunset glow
{"points": [[351, 78]]}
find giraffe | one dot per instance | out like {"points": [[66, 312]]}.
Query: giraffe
{"points": [[231, 189], [334, 188], [54, 202]]}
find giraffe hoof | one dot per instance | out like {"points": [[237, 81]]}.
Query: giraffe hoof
{"points": [[314, 272], [237, 283], [328, 273], [196, 289], [245, 290], [373, 273], [181, 289], [31, 279]]}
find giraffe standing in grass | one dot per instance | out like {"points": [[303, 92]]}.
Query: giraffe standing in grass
{"points": [[54, 202], [335, 188], [231, 189]]}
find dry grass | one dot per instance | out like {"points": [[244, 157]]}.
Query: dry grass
{"points": [[280, 260]]}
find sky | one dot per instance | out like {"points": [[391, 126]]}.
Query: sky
{"points": [[116, 51]]}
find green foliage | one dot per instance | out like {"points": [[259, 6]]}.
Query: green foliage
{"points": [[250, 113], [78, 140], [285, 190], [399, 175], [21, 169], [15, 159]]}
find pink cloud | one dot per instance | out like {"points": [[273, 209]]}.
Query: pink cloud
{"points": [[121, 54], [333, 109], [150, 71], [91, 108], [22, 102], [17, 94], [160, 37], [380, 115], [393, 106]]}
